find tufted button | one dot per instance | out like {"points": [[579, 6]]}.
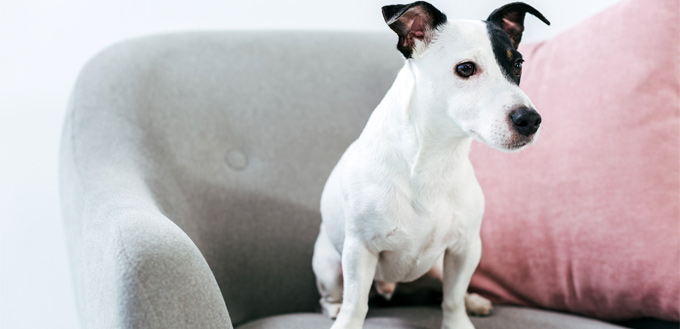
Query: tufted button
{"points": [[236, 160]]}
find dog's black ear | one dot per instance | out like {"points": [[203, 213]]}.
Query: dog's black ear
{"points": [[510, 18], [415, 21]]}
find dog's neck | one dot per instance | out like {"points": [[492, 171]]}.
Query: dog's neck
{"points": [[404, 125]]}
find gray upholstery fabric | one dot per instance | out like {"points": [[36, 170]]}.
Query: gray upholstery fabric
{"points": [[218, 142], [430, 318], [191, 171]]}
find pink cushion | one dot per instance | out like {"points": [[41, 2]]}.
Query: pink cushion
{"points": [[587, 220]]}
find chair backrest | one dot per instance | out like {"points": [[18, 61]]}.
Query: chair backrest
{"points": [[241, 131]]}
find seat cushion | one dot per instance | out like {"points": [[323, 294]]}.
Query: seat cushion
{"points": [[504, 317]]}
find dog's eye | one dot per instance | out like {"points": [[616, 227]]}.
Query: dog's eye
{"points": [[466, 69], [518, 66]]}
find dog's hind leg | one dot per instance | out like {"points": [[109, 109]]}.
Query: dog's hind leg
{"points": [[327, 266], [477, 305]]}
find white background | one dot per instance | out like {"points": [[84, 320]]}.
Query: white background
{"points": [[43, 44]]}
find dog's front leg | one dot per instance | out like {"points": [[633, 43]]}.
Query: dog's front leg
{"points": [[358, 271], [458, 268]]}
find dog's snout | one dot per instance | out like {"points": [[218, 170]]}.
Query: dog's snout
{"points": [[525, 120]]}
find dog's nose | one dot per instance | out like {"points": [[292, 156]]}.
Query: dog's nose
{"points": [[525, 120]]}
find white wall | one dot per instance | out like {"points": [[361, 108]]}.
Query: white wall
{"points": [[43, 44]]}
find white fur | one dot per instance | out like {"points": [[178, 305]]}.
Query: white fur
{"points": [[403, 200]]}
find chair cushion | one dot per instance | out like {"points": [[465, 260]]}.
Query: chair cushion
{"points": [[504, 317], [586, 220]]}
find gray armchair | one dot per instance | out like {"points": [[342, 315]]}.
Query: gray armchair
{"points": [[191, 170]]}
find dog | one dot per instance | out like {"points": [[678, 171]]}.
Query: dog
{"points": [[403, 201]]}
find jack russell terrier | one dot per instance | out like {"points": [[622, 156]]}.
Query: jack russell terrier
{"points": [[403, 201]]}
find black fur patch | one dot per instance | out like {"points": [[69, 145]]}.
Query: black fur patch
{"points": [[511, 19], [502, 46]]}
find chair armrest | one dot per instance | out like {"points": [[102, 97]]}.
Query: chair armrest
{"points": [[132, 266]]}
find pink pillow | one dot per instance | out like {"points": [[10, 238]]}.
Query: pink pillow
{"points": [[587, 220]]}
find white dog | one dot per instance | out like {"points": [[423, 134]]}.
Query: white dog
{"points": [[403, 201]]}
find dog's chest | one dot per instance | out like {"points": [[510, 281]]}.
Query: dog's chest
{"points": [[415, 230]]}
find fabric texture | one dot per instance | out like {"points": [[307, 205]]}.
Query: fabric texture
{"points": [[430, 318], [587, 220], [191, 150], [132, 266]]}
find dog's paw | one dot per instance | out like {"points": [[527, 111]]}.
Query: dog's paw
{"points": [[385, 289], [478, 305], [330, 309]]}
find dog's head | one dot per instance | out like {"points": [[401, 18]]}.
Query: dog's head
{"points": [[468, 72]]}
